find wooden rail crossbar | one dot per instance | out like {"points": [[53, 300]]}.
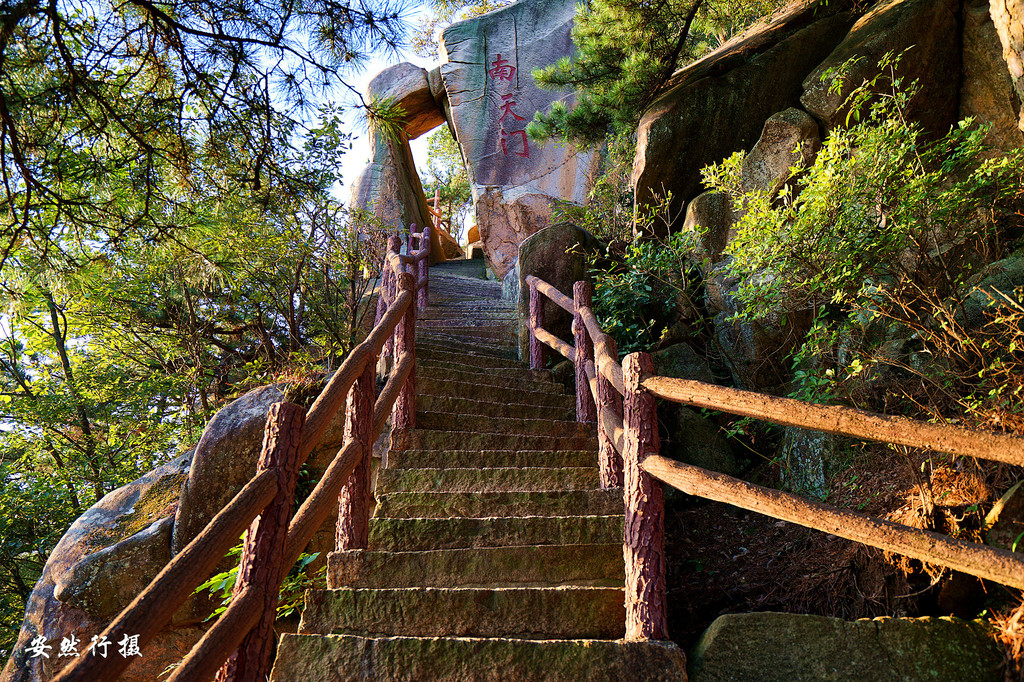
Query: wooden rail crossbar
{"points": [[627, 436], [238, 646]]}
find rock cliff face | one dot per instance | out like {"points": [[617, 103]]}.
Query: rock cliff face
{"points": [[486, 67]]}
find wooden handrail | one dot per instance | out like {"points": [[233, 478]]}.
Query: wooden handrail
{"points": [[841, 420], [634, 435], [165, 594], [253, 602], [555, 343], [556, 296], [991, 563]]}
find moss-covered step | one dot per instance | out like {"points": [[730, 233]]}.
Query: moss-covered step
{"points": [[533, 405], [453, 359], [422, 439], [338, 658], [484, 505], [787, 647], [516, 612], [484, 480], [458, 532], [537, 565], [449, 380], [453, 421], [467, 459]]}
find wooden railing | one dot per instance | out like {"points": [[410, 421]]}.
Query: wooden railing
{"points": [[626, 417], [239, 644]]}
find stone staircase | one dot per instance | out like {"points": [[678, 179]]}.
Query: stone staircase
{"points": [[493, 553]]}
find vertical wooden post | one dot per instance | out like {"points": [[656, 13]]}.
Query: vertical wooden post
{"points": [[609, 459], [586, 411], [644, 538], [536, 321], [421, 297], [403, 413], [410, 248], [388, 287], [262, 560], [353, 527]]}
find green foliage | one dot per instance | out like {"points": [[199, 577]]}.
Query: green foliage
{"points": [[626, 53], [879, 206], [442, 13], [116, 115], [290, 596], [447, 174], [638, 296]]}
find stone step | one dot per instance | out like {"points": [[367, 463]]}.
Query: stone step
{"points": [[468, 459], [485, 312], [422, 439], [461, 381], [533, 405], [430, 345], [516, 612], [457, 532], [483, 567], [504, 335], [453, 421], [486, 505], [486, 480], [430, 355], [334, 658], [466, 324]]}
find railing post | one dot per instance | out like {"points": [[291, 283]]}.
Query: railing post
{"points": [[536, 321], [424, 272], [609, 459], [409, 250], [586, 411], [403, 414], [262, 559], [644, 539], [388, 290], [353, 528]]}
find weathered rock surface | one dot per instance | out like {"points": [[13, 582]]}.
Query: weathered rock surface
{"points": [[765, 647], [407, 86], [486, 65], [682, 361], [712, 215], [1008, 17], [555, 254], [789, 140], [389, 187], [224, 461], [737, 87], [330, 659], [808, 457], [987, 92], [695, 440], [924, 29], [104, 559]]}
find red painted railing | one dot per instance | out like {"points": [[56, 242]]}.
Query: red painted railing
{"points": [[628, 456], [237, 648]]}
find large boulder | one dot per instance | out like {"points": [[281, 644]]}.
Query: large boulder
{"points": [[718, 105], [557, 255], [926, 30], [389, 186], [1008, 17], [987, 92], [787, 647], [788, 140], [712, 217], [486, 64], [224, 461], [103, 561], [407, 85]]}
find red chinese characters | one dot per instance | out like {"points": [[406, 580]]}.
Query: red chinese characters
{"points": [[511, 141]]}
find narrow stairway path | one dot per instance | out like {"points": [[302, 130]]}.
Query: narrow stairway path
{"points": [[493, 553]]}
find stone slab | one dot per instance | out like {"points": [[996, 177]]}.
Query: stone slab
{"points": [[484, 505], [519, 566], [455, 533]]}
